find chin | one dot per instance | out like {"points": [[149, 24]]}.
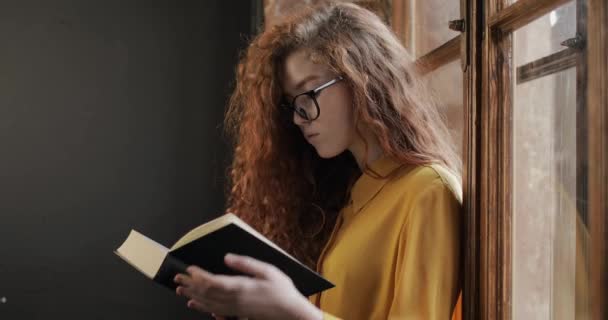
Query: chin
{"points": [[328, 153]]}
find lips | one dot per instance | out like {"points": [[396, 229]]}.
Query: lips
{"points": [[308, 136]]}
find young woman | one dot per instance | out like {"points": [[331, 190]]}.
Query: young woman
{"points": [[342, 159]]}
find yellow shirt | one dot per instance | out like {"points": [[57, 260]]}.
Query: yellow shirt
{"points": [[395, 250]]}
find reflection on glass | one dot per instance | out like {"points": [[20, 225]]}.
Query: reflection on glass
{"points": [[429, 24], [544, 35], [550, 236], [446, 84]]}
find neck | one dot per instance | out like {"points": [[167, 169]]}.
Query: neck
{"points": [[365, 156]]}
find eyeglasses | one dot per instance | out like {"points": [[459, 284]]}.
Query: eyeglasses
{"points": [[306, 105]]}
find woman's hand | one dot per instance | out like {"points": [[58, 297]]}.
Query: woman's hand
{"points": [[269, 294]]}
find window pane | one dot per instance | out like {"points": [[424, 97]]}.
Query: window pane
{"points": [[423, 25], [544, 35], [446, 83], [550, 233]]}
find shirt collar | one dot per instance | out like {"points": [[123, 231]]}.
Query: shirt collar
{"points": [[372, 181]]}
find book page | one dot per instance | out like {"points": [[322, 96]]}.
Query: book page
{"points": [[143, 253], [204, 229]]}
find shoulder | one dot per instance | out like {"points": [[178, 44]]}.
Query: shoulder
{"points": [[418, 180], [431, 199]]}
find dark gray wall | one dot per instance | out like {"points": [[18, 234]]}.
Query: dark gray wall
{"points": [[110, 115]]}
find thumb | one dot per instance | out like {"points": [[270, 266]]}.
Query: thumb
{"points": [[249, 266]]}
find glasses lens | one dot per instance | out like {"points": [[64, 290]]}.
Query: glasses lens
{"points": [[306, 104]]}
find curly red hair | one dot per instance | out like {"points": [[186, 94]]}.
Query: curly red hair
{"points": [[278, 183]]}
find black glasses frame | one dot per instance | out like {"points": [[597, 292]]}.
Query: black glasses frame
{"points": [[313, 95]]}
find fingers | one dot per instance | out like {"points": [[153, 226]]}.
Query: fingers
{"points": [[206, 286], [216, 317], [195, 305], [206, 291], [205, 307], [196, 277], [183, 280], [194, 272], [249, 266]]}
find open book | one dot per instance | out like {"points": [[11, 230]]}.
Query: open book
{"points": [[206, 246]]}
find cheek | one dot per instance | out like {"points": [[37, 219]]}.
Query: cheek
{"points": [[344, 114], [339, 122], [343, 125]]}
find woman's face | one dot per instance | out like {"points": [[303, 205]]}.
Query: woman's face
{"points": [[333, 131]]}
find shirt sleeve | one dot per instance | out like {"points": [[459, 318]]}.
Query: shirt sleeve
{"points": [[427, 279]]}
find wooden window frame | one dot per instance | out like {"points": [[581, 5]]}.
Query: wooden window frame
{"points": [[440, 56], [597, 99], [487, 148], [545, 66]]}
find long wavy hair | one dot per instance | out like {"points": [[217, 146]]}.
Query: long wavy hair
{"points": [[278, 183]]}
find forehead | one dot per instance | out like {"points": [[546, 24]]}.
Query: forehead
{"points": [[300, 65]]}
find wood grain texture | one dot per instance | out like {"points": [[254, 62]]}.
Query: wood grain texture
{"points": [[401, 22], [495, 189], [440, 56], [545, 66], [521, 13], [597, 97], [582, 126], [471, 160]]}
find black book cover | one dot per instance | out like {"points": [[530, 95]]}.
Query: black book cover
{"points": [[208, 253]]}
